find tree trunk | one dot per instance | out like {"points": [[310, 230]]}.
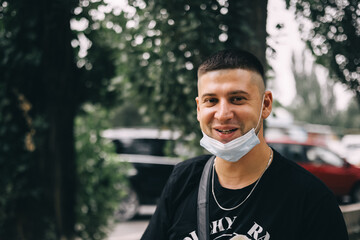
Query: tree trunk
{"points": [[60, 110], [249, 26]]}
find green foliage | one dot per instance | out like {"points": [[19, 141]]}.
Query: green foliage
{"points": [[100, 173], [333, 37], [349, 119], [21, 172], [127, 115], [43, 80], [315, 103], [95, 56], [165, 41]]}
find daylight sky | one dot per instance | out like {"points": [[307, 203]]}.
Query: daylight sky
{"points": [[286, 41]]}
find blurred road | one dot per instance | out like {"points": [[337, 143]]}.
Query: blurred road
{"points": [[132, 230]]}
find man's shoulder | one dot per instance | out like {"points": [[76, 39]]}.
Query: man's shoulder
{"points": [[188, 171], [186, 176], [192, 165], [318, 207], [297, 177]]}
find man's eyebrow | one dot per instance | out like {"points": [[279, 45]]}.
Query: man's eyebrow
{"points": [[208, 95], [238, 92], [230, 93]]}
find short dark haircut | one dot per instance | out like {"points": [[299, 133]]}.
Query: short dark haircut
{"points": [[232, 59]]}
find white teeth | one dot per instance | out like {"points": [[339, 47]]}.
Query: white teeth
{"points": [[226, 131]]}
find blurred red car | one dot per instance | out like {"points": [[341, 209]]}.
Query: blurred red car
{"points": [[340, 176]]}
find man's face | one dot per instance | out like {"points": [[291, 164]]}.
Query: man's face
{"points": [[228, 103]]}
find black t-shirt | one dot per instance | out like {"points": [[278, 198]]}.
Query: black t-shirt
{"points": [[288, 203]]}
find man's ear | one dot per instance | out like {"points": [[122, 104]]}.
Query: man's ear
{"points": [[267, 107], [197, 108]]}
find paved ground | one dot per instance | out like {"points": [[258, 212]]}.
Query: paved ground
{"points": [[132, 230]]}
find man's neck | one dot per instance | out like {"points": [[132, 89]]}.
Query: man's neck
{"points": [[246, 171]]}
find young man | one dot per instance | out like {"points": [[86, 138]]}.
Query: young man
{"points": [[254, 192]]}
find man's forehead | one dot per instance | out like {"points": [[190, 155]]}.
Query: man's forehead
{"points": [[238, 73]]}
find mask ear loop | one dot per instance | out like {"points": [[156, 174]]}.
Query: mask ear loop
{"points": [[262, 105]]}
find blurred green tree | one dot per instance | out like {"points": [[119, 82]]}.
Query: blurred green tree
{"points": [[167, 40], [101, 176], [313, 103], [46, 74], [316, 103], [350, 118], [332, 32]]}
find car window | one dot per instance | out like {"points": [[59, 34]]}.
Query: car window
{"points": [[353, 146], [296, 153], [281, 148], [293, 152], [321, 155], [154, 147]]}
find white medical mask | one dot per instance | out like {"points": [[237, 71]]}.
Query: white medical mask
{"points": [[235, 149]]}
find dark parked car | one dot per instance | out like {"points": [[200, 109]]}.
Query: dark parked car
{"points": [[340, 176], [148, 152]]}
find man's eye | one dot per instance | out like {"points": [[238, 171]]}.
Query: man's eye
{"points": [[237, 99], [210, 100]]}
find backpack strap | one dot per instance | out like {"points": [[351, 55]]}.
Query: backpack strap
{"points": [[203, 201]]}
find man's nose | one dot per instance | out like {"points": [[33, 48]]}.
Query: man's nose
{"points": [[224, 112]]}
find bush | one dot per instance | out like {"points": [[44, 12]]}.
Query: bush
{"points": [[101, 176]]}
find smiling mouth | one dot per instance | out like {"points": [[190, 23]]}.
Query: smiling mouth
{"points": [[226, 131]]}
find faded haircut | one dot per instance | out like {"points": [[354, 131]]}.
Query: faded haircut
{"points": [[232, 59]]}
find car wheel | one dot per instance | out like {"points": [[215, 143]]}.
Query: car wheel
{"points": [[128, 208], [355, 196]]}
